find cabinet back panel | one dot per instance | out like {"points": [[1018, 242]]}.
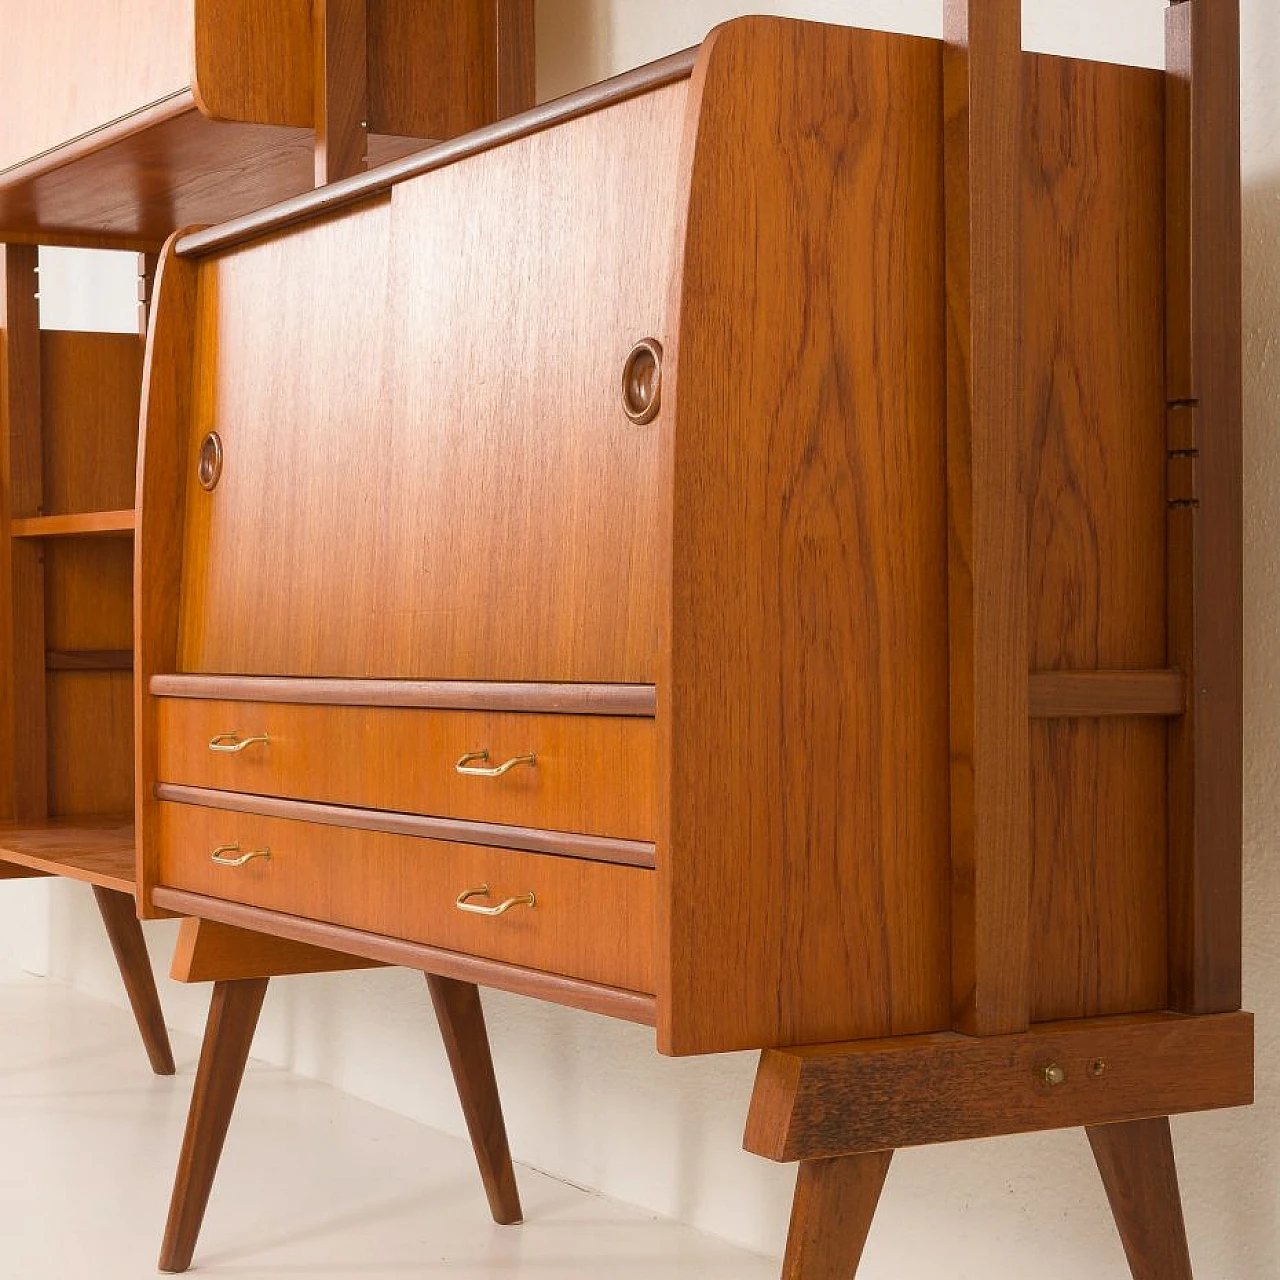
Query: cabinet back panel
{"points": [[90, 742], [1094, 388], [91, 384], [428, 470]]}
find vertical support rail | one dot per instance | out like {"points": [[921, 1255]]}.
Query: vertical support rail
{"points": [[342, 89], [24, 785], [987, 520], [1205, 547], [516, 57]]}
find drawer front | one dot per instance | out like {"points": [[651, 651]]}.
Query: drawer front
{"points": [[590, 920], [593, 775]]}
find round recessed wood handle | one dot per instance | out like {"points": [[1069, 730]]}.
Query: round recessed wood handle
{"points": [[209, 464], [642, 382]]}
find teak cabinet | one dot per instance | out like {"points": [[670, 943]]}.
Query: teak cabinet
{"points": [[752, 548], [650, 445]]}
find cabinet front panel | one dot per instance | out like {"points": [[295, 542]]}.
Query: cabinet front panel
{"points": [[591, 774], [589, 920], [429, 473]]}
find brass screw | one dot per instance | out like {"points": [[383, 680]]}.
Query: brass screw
{"points": [[1097, 1068], [1053, 1075]]}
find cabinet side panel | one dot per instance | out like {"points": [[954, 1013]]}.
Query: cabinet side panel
{"points": [[76, 65], [803, 710], [254, 60], [1093, 192]]}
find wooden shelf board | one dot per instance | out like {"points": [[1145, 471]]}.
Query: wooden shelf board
{"points": [[130, 183], [94, 850], [85, 524]]}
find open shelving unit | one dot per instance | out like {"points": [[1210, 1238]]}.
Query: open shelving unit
{"points": [[164, 114]]}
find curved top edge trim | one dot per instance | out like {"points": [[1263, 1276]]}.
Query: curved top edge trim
{"points": [[339, 195]]}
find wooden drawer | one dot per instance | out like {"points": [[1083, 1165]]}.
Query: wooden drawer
{"points": [[593, 774], [591, 920]]}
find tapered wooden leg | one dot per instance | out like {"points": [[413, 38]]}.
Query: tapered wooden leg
{"points": [[1138, 1171], [121, 918], [831, 1216], [233, 1017], [461, 1018]]}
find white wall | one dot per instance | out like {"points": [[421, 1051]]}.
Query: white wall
{"points": [[590, 1100]]}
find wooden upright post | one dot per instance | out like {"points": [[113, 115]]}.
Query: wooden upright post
{"points": [[1204, 373], [990, 732], [24, 785], [342, 89]]}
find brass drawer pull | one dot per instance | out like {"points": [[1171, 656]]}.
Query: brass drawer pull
{"points": [[231, 744], [464, 765], [500, 910], [219, 855]]}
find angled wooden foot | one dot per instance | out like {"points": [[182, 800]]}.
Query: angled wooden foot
{"points": [[120, 916], [1138, 1171], [233, 1017], [461, 1018], [831, 1215]]}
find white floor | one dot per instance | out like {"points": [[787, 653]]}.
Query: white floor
{"points": [[312, 1183]]}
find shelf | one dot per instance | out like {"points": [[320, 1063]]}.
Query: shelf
{"points": [[88, 524], [94, 850], [89, 660]]}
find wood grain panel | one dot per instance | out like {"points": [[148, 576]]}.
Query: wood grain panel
{"points": [[590, 921], [1057, 694], [827, 1100], [88, 593], [90, 742], [341, 110], [1094, 348], [23, 779], [803, 705], [513, 529], [73, 66], [1099, 909], [986, 510], [592, 774], [253, 60], [130, 185], [1206, 555], [91, 385], [162, 485], [97, 850]]}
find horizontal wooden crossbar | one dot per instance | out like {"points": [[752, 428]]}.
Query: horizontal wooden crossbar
{"points": [[823, 1101]]}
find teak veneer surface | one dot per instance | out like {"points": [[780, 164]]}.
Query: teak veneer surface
{"points": [[590, 920], [203, 110], [405, 553], [592, 774], [465, 502], [95, 850], [802, 691], [1093, 180]]}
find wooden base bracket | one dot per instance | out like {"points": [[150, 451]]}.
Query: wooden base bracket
{"points": [[211, 952], [822, 1101], [842, 1109]]}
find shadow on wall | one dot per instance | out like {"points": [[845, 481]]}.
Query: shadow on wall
{"points": [[574, 37]]}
